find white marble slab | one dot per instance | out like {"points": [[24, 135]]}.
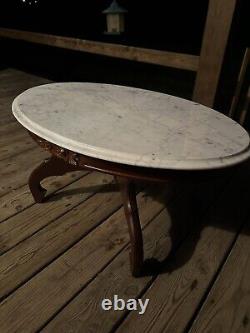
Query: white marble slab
{"points": [[132, 126]]}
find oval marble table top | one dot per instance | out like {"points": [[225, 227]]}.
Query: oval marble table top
{"points": [[132, 126]]}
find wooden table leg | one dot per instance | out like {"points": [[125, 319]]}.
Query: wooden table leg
{"points": [[53, 166], [134, 227]]}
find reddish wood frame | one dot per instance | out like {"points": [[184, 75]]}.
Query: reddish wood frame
{"points": [[64, 160]]}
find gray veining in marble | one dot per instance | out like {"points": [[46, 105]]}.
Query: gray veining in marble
{"points": [[132, 126]]}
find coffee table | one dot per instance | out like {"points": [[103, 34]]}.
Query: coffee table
{"points": [[131, 133]]}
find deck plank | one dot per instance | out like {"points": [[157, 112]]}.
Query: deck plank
{"points": [[61, 280], [81, 314], [161, 237], [29, 256], [175, 296], [29, 221], [18, 142], [7, 130], [13, 144], [14, 171], [227, 308], [18, 200], [16, 134], [160, 240], [18, 154], [12, 83]]}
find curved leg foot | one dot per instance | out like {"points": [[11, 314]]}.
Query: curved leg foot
{"points": [[134, 226], [50, 167]]}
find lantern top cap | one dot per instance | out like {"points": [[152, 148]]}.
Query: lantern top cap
{"points": [[114, 8]]}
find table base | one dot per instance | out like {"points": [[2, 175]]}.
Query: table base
{"points": [[55, 166], [64, 160]]}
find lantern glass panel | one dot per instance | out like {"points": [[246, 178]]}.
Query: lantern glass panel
{"points": [[113, 23]]}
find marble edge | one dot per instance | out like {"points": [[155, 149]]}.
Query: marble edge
{"points": [[117, 156], [129, 159]]}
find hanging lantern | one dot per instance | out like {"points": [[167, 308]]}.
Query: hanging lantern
{"points": [[115, 18]]}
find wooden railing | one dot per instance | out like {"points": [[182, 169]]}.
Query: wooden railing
{"points": [[208, 65], [164, 58]]}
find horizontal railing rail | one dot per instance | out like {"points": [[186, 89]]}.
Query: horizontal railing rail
{"points": [[158, 57]]}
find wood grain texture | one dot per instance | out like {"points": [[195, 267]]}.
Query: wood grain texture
{"points": [[194, 266], [6, 130], [35, 302], [19, 145], [12, 83], [15, 85], [164, 58], [15, 170], [13, 139], [227, 308], [162, 237], [27, 222], [217, 27], [82, 313], [19, 199], [13, 133], [29, 256]]}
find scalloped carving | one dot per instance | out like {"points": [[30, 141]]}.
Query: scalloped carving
{"points": [[44, 144], [74, 159], [81, 162]]}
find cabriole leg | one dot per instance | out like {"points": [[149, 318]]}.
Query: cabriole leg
{"points": [[53, 166], [134, 227]]}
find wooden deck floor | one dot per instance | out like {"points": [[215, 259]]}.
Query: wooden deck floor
{"points": [[59, 259]]}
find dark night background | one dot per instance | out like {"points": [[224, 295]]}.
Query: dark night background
{"points": [[155, 24], [165, 25]]}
